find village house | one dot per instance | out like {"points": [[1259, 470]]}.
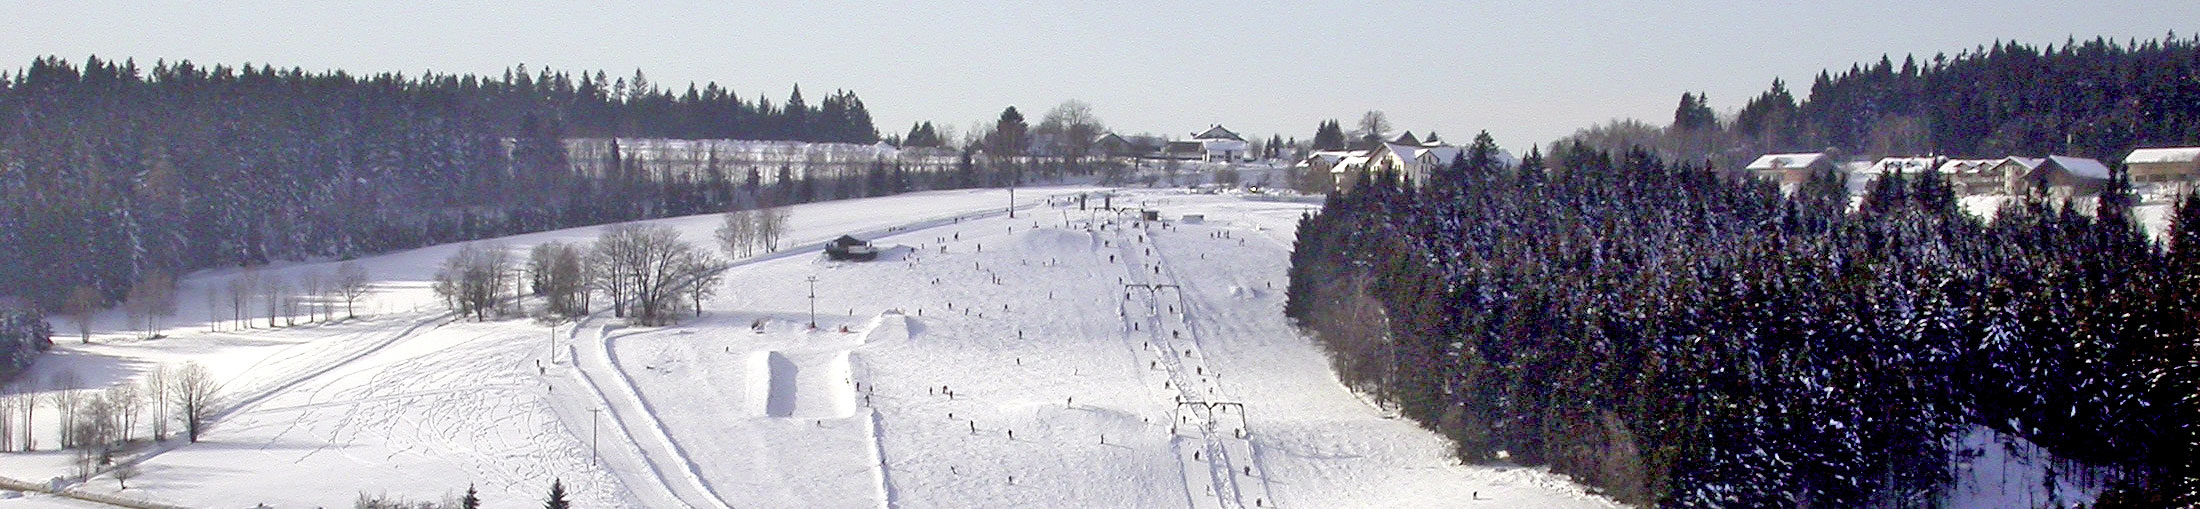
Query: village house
{"points": [[1118, 146], [1790, 170], [1320, 163], [1220, 145], [1412, 158], [2171, 170], [1346, 171], [2066, 177], [1972, 177]]}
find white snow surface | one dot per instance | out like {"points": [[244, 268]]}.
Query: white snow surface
{"points": [[1026, 322]]}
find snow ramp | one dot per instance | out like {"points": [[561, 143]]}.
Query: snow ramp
{"points": [[888, 326], [1056, 242], [806, 386]]}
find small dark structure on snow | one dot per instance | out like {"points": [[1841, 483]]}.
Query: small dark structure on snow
{"points": [[850, 248]]}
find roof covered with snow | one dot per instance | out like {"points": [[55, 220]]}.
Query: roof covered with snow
{"points": [[1966, 166], [2163, 155], [1415, 152], [1784, 161], [1904, 164], [2081, 167], [1438, 155], [1350, 163], [1329, 156], [1217, 132], [2028, 163]]}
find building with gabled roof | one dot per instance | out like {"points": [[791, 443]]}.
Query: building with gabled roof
{"points": [[2065, 176], [1136, 145], [1413, 162], [849, 248], [1974, 176], [1790, 170], [2177, 168], [1217, 132], [1317, 170], [1407, 139]]}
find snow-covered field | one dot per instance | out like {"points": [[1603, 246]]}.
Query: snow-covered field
{"points": [[1032, 361]]}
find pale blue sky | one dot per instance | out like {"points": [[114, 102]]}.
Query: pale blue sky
{"points": [[1528, 72]]}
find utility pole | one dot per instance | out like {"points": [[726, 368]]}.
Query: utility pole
{"points": [[592, 434], [813, 301], [553, 343]]}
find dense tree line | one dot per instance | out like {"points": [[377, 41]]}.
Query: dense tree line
{"points": [[23, 334], [1683, 338], [111, 173], [2095, 98]]}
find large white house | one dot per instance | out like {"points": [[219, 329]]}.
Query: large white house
{"points": [[1413, 159], [1220, 145], [1790, 170], [2172, 169]]}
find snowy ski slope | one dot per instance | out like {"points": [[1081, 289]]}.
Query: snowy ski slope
{"points": [[1056, 359]]}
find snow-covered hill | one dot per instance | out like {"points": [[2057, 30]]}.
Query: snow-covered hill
{"points": [[1053, 359]]}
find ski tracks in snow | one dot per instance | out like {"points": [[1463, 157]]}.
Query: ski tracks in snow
{"points": [[593, 360], [1217, 451]]}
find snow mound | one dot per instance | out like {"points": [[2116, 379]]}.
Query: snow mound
{"points": [[808, 386], [1050, 241], [891, 325], [897, 252]]}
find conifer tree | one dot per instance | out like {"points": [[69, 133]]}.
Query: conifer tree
{"points": [[557, 496], [1693, 114], [1329, 136]]}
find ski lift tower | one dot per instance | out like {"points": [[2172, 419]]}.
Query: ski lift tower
{"points": [[813, 300]]}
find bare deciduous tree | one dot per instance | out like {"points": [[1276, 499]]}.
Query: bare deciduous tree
{"points": [[705, 272], [27, 404], [7, 423], [213, 309], [472, 279], [150, 300], [771, 224], [646, 270], [737, 233], [240, 294], [128, 405], [92, 431], [123, 473], [1073, 123], [310, 293], [63, 393], [274, 291], [83, 303], [156, 389], [193, 395], [560, 274], [1373, 126], [351, 285]]}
